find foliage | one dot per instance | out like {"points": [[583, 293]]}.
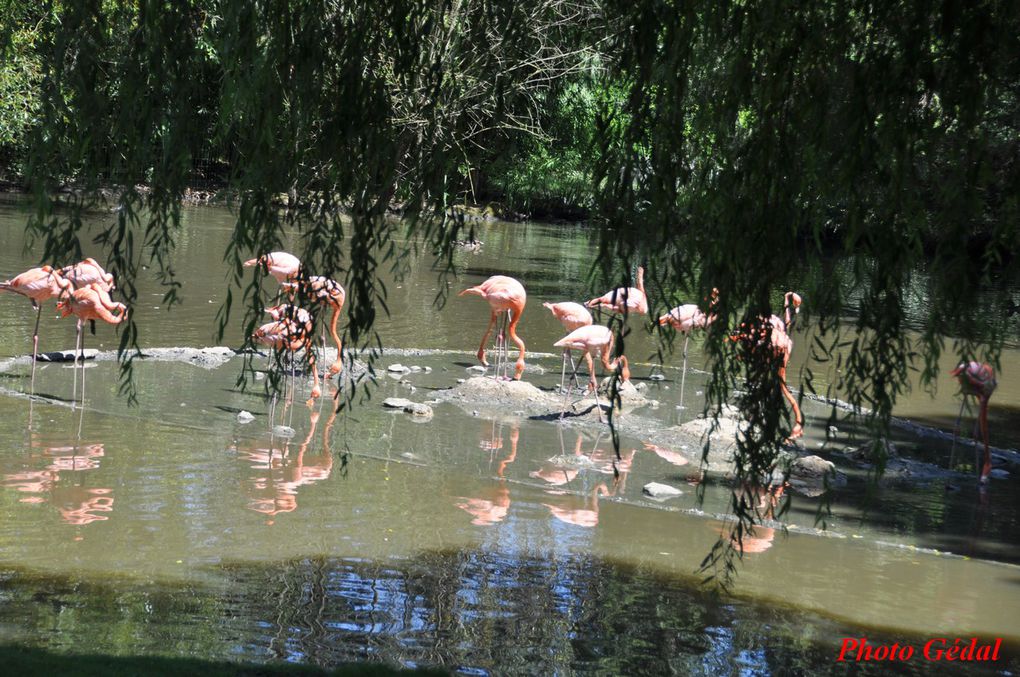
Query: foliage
{"points": [[727, 144]]}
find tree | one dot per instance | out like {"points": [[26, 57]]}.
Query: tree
{"points": [[735, 143]]}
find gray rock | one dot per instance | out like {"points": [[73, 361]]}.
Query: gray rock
{"points": [[397, 369], [657, 377], [415, 369], [418, 409], [244, 417], [396, 402], [659, 490], [283, 431], [476, 369], [999, 474]]}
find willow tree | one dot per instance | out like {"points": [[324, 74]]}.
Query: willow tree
{"points": [[735, 142]]}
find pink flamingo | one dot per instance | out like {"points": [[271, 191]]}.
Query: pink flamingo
{"points": [[38, 284], [624, 299], [504, 294], [89, 303], [977, 379], [282, 266], [594, 339], [330, 294], [87, 272], [685, 319], [291, 330], [572, 316], [775, 331]]}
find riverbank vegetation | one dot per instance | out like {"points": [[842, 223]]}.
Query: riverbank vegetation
{"points": [[718, 144]]}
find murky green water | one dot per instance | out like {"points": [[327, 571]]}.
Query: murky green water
{"points": [[499, 543]]}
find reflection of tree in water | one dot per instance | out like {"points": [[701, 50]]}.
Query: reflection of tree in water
{"points": [[273, 490], [482, 610], [77, 504]]}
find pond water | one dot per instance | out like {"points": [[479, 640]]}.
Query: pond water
{"points": [[476, 540]]}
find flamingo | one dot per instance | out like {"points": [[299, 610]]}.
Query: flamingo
{"points": [[592, 339], [572, 316], [624, 299], [87, 272], [290, 330], [89, 303], [685, 319], [331, 294], [977, 379], [282, 266], [38, 285], [775, 331], [504, 294]]}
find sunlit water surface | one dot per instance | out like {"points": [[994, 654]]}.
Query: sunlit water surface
{"points": [[463, 541]]}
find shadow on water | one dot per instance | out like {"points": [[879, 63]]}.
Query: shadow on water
{"points": [[472, 611]]}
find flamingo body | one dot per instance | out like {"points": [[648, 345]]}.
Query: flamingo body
{"points": [[624, 299], [88, 272], [503, 294], [284, 267]]}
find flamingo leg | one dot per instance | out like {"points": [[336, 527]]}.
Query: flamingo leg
{"points": [[956, 433], [798, 428], [986, 467], [35, 342], [74, 371], [515, 317], [595, 392], [683, 375], [485, 338], [573, 369], [501, 347]]}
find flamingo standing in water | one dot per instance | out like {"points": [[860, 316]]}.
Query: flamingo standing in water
{"points": [[685, 319], [505, 295], [328, 293], [774, 331], [89, 303], [572, 316], [282, 266], [624, 300], [977, 379], [290, 330], [592, 340], [38, 285]]}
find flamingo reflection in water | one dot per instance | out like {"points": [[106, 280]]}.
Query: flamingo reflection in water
{"points": [[77, 504], [492, 503], [764, 501], [582, 509], [274, 487]]}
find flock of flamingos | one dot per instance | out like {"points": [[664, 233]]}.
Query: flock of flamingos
{"points": [[83, 290]]}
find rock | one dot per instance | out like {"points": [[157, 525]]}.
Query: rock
{"points": [[244, 417], [461, 380], [811, 467], [658, 490], [260, 376], [999, 474], [418, 409], [810, 474], [833, 430], [397, 369], [657, 377], [428, 370], [283, 431], [415, 369], [476, 369], [396, 402]]}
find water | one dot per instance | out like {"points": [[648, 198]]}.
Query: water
{"points": [[481, 543]]}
